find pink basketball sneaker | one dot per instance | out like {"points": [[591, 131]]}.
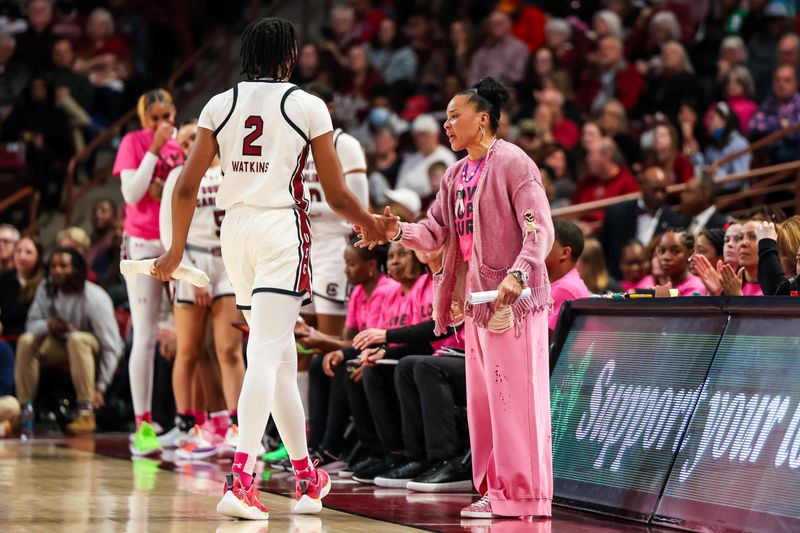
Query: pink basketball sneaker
{"points": [[238, 502]]}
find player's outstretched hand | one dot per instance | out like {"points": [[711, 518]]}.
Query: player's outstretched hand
{"points": [[383, 229], [166, 265]]}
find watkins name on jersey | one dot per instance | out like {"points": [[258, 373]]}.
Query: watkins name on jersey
{"points": [[260, 167]]}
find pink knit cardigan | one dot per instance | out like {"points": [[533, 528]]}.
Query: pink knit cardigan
{"points": [[513, 231]]}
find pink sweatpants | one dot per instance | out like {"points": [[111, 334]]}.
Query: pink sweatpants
{"points": [[508, 407]]}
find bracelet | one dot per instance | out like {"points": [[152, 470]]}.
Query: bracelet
{"points": [[398, 236]]}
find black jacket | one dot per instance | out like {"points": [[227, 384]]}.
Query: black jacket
{"points": [[770, 273], [619, 227]]}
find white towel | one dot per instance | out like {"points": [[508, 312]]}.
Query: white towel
{"points": [[485, 297], [195, 276]]}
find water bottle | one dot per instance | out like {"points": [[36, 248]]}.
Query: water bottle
{"points": [[26, 422]]}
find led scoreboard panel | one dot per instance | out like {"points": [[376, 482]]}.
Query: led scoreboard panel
{"points": [[684, 413], [740, 464], [622, 394]]}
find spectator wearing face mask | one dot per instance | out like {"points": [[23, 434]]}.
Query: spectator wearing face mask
{"points": [[725, 139]]}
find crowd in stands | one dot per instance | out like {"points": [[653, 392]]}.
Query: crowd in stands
{"points": [[69, 69], [630, 97]]}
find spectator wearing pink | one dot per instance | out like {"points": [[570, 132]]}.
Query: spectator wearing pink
{"points": [[673, 253], [502, 55], [746, 283], [608, 177], [144, 160], [405, 268], [512, 235], [423, 299], [565, 282], [634, 266], [366, 299], [739, 91]]}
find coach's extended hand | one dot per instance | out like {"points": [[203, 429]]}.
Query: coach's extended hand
{"points": [[387, 227]]}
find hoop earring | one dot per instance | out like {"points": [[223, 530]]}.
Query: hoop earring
{"points": [[480, 130], [483, 132]]}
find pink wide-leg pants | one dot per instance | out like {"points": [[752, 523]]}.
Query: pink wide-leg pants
{"points": [[508, 407]]}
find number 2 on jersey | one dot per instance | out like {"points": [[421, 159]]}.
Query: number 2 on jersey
{"points": [[257, 123]]}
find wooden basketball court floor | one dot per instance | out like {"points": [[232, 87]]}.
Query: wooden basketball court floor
{"points": [[91, 485]]}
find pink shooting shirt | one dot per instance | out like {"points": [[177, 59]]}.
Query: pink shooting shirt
{"points": [[466, 185], [423, 311], [568, 287], [646, 282], [398, 307], [141, 220], [751, 289], [691, 285], [365, 312]]}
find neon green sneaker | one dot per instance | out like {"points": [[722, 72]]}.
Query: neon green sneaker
{"points": [[303, 351], [275, 455], [145, 472], [145, 442]]}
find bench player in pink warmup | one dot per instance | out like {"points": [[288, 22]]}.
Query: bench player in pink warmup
{"points": [[262, 129], [493, 218]]}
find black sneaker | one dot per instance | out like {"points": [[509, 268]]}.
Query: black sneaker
{"points": [[444, 476], [399, 476], [367, 475], [283, 464], [330, 462], [367, 462]]}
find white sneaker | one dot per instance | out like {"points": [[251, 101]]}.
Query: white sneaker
{"points": [[228, 446], [173, 438]]}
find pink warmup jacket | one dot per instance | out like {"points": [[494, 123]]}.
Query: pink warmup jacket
{"points": [[497, 224]]}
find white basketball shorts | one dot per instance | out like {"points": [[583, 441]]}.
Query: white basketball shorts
{"points": [[266, 250]]}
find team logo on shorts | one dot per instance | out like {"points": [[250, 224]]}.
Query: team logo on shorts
{"points": [[332, 289]]}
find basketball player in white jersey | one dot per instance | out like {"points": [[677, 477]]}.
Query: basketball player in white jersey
{"points": [[332, 233], [263, 129], [194, 306]]}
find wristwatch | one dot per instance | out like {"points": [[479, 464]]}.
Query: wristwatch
{"points": [[518, 276]]}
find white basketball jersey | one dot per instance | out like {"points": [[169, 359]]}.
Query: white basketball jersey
{"points": [[207, 218], [263, 128], [324, 221]]}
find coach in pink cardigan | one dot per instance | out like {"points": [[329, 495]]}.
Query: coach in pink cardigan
{"points": [[492, 216]]}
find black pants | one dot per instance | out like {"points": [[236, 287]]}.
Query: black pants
{"points": [[329, 411], [384, 406], [359, 408], [429, 389]]}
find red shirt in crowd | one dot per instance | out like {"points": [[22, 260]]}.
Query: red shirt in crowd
{"points": [[566, 133], [592, 189]]}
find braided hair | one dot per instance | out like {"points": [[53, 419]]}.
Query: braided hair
{"points": [[269, 49]]}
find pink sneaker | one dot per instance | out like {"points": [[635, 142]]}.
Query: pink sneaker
{"points": [[240, 503], [200, 444], [480, 509], [308, 494]]}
